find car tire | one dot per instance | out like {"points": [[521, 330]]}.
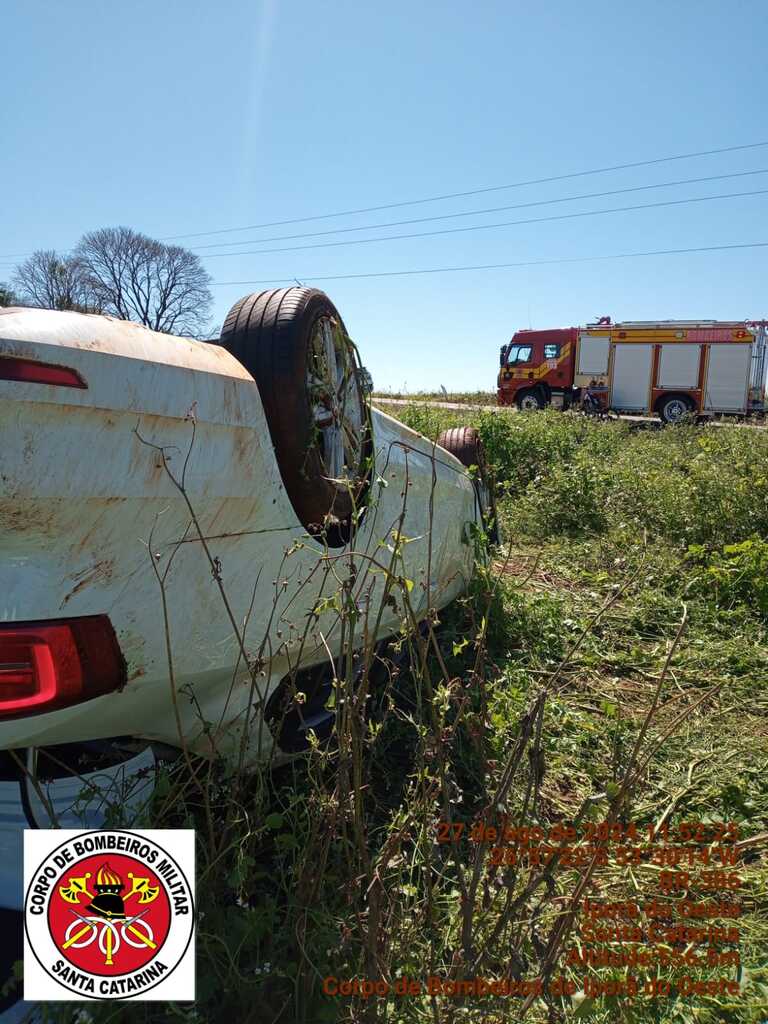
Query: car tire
{"points": [[466, 445], [674, 408], [530, 401], [294, 344]]}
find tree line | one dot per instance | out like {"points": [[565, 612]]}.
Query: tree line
{"points": [[123, 273]]}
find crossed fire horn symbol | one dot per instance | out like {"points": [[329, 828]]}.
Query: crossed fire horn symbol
{"points": [[107, 908]]}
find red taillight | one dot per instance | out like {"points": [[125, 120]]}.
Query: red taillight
{"points": [[53, 664], [29, 371]]}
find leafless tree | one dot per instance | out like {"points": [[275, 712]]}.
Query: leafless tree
{"points": [[52, 281], [139, 278]]}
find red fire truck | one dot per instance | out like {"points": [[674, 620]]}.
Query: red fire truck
{"points": [[670, 368]]}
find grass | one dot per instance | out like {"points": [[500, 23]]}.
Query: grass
{"points": [[462, 397], [677, 517], [611, 662]]}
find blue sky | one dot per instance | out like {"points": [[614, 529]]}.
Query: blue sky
{"points": [[185, 117]]}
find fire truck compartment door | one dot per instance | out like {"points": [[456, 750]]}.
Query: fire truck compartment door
{"points": [[727, 378], [593, 355], [631, 376], [679, 366]]}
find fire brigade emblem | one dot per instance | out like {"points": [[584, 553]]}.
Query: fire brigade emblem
{"points": [[108, 915]]}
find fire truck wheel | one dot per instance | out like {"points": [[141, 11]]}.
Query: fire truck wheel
{"points": [[465, 444], [530, 401], [294, 344], [675, 408]]}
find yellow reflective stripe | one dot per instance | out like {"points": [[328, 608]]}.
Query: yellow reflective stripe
{"points": [[543, 370]]}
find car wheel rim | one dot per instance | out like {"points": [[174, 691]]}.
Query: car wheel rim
{"points": [[529, 402], [675, 411], [337, 405]]}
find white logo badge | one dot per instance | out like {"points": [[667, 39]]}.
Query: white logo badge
{"points": [[109, 914]]}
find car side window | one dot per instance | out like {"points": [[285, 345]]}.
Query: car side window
{"points": [[518, 354], [551, 351]]}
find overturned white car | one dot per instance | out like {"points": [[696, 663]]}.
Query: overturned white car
{"points": [[174, 512], [177, 522]]}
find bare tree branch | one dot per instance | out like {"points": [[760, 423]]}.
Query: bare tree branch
{"points": [[51, 281], [7, 295], [139, 278]]}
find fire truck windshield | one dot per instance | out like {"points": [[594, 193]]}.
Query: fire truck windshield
{"points": [[518, 354]]}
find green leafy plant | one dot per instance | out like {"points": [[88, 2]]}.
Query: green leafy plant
{"points": [[738, 573]]}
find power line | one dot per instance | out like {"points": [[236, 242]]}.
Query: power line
{"points": [[453, 195], [452, 216], [501, 266], [477, 213], [472, 192], [486, 227]]}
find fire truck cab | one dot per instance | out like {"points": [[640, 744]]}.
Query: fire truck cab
{"points": [[670, 368]]}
